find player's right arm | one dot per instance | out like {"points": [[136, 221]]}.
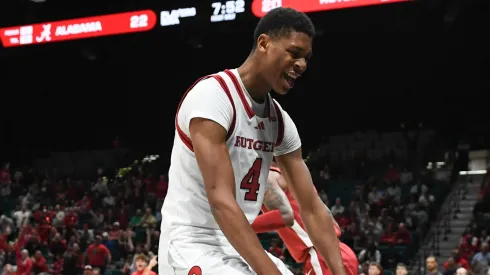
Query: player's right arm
{"points": [[208, 113]]}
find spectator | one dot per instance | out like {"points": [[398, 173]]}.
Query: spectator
{"points": [[392, 174], [39, 264], [142, 265], [403, 236], [24, 263], [276, 249], [137, 219], [458, 260], [87, 270], [73, 261], [450, 266], [484, 238], [337, 208], [370, 254], [98, 255], [394, 192], [406, 176], [401, 269], [325, 173], [22, 216], [148, 218], [461, 271], [432, 267], [375, 269], [482, 258]]}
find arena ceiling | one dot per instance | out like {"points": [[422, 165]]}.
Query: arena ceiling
{"points": [[373, 67]]}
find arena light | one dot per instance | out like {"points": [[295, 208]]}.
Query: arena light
{"points": [[96, 26], [474, 172], [261, 7]]}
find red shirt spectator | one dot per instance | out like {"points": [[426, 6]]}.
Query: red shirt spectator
{"points": [[342, 221], [3, 242], [465, 250], [24, 263], [403, 236], [141, 264], [458, 260], [39, 263], [58, 266], [461, 262], [150, 185], [98, 254], [388, 236], [162, 187], [275, 249], [392, 174], [123, 218], [71, 219], [4, 175], [44, 230], [85, 203]]}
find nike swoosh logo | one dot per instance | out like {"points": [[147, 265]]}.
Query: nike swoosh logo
{"points": [[309, 272]]}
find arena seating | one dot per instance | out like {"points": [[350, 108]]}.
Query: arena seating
{"points": [[108, 203]]}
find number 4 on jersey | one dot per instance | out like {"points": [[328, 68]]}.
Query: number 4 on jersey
{"points": [[251, 181]]}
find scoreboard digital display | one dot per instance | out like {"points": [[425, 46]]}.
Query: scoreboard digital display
{"points": [[206, 12], [261, 7], [96, 26]]}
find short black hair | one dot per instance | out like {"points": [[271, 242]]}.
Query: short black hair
{"points": [[281, 22]]}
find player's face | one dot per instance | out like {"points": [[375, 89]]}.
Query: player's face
{"points": [[286, 59]]}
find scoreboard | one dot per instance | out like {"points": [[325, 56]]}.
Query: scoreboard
{"points": [[205, 13]]}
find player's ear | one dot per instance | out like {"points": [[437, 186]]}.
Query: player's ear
{"points": [[263, 42]]}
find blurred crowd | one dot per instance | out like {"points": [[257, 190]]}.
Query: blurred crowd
{"points": [[110, 224], [65, 226], [472, 255]]}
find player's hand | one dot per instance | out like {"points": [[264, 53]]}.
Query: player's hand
{"points": [[153, 262]]}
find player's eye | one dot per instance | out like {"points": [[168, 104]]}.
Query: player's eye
{"points": [[294, 54]]}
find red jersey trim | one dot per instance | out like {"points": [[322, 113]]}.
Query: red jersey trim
{"points": [[241, 94], [275, 169], [280, 120], [185, 139]]}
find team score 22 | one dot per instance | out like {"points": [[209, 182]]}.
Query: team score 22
{"points": [[138, 21], [250, 181]]}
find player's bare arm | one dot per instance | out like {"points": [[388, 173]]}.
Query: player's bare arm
{"points": [[213, 158], [276, 199], [331, 216], [313, 212]]}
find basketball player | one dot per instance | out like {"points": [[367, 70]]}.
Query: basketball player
{"points": [[228, 128], [281, 214]]}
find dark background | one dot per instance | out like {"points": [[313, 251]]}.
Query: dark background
{"points": [[373, 68]]}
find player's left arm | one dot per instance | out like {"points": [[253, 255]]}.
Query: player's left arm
{"points": [[319, 224]]}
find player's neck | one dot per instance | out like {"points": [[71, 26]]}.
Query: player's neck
{"points": [[251, 78]]}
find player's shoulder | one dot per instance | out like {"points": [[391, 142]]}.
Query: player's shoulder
{"points": [[208, 83]]}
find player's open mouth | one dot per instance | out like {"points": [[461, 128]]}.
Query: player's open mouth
{"points": [[290, 78]]}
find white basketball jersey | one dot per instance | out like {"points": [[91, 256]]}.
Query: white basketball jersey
{"points": [[251, 142]]}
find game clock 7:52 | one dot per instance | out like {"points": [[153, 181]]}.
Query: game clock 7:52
{"points": [[227, 11]]}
